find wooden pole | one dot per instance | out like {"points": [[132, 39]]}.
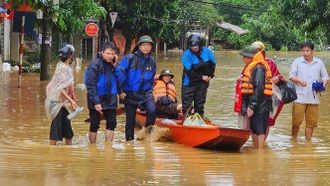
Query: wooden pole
{"points": [[21, 47]]}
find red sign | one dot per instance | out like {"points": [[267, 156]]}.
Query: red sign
{"points": [[91, 29]]}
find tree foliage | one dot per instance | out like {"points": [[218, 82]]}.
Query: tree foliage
{"points": [[201, 14], [72, 15], [277, 23], [312, 16], [156, 18]]}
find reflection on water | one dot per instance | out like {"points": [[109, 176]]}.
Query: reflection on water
{"points": [[27, 159]]}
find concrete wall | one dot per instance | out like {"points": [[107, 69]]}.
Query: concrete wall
{"points": [[14, 46]]}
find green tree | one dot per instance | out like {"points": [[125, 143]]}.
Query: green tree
{"points": [[312, 16], [264, 21], [199, 14], [136, 17], [74, 14], [71, 15]]}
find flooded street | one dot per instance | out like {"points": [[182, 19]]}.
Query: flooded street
{"points": [[27, 159]]}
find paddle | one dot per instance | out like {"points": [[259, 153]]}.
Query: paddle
{"points": [[119, 111]]}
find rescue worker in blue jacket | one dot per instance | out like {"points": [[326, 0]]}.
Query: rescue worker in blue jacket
{"points": [[102, 90], [136, 74], [198, 69]]}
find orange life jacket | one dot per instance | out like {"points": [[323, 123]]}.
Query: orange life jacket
{"points": [[246, 85], [162, 89]]}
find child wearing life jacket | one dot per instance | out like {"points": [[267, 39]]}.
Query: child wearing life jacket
{"points": [[165, 96]]}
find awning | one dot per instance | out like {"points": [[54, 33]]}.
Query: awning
{"points": [[24, 7], [3, 13], [231, 27]]}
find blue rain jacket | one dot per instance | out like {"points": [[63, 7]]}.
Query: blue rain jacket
{"points": [[135, 75], [197, 65], [101, 83]]}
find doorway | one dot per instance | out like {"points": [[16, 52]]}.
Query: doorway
{"points": [[87, 48]]}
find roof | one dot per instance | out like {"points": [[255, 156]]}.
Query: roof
{"points": [[231, 27]]}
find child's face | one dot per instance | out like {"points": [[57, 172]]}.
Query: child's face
{"points": [[167, 78], [109, 55]]}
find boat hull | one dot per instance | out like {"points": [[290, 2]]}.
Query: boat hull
{"points": [[211, 137]]}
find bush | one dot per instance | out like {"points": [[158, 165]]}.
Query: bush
{"points": [[34, 57], [12, 62], [30, 65], [216, 47], [284, 48]]}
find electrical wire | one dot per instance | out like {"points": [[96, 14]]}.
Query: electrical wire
{"points": [[228, 5]]}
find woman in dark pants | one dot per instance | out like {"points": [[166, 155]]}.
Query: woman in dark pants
{"points": [[135, 75]]}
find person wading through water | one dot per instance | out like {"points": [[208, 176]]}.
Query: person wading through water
{"points": [[256, 89], [198, 70], [136, 73]]}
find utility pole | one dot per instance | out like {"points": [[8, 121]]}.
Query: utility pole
{"points": [[46, 51], [45, 54]]}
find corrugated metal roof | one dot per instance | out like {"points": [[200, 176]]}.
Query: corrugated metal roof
{"points": [[231, 27]]}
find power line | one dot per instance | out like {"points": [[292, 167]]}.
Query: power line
{"points": [[228, 5]]}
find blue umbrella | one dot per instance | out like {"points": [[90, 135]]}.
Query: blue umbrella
{"points": [[2, 11]]}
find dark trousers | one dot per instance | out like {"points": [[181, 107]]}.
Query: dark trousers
{"points": [[109, 116], [259, 122], [195, 93], [130, 111]]}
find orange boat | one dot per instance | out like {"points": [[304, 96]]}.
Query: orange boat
{"points": [[211, 137]]}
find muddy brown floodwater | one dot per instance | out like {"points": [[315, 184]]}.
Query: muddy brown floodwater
{"points": [[27, 159]]}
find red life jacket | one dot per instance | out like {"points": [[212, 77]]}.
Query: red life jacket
{"points": [[238, 97]]}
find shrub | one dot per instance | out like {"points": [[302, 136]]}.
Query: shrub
{"points": [[284, 48]]}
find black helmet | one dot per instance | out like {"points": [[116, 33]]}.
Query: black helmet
{"points": [[195, 40], [65, 52]]}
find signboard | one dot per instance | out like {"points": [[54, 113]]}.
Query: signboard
{"points": [[29, 21], [91, 29]]}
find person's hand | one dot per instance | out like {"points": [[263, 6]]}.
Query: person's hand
{"points": [[71, 93], [122, 95], [302, 83], [114, 61], [205, 78], [276, 79], [98, 108], [155, 99], [179, 107], [73, 96], [249, 112], [73, 104]]}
